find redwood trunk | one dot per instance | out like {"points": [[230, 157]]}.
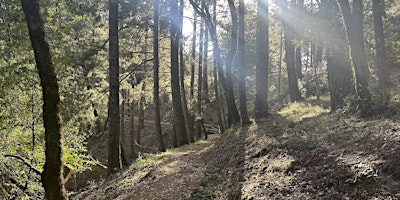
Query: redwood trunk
{"points": [[52, 175]]}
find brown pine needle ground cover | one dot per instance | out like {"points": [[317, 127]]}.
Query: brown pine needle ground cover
{"points": [[170, 175], [323, 157]]}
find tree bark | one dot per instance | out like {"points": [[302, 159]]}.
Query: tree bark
{"points": [[179, 120], [233, 114], [200, 75], [141, 114], [242, 66], [381, 57], [355, 36], [113, 102], [218, 102], [52, 176], [230, 100], [205, 66], [156, 86], [188, 120], [290, 55], [262, 54], [192, 69]]}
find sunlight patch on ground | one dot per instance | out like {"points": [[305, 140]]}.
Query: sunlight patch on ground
{"points": [[297, 112]]}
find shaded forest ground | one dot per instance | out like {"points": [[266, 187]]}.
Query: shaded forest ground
{"points": [[285, 157]]}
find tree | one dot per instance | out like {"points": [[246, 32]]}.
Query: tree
{"points": [[381, 58], [52, 175], [192, 68], [113, 102], [242, 65], [179, 120], [156, 86], [262, 55], [216, 82], [188, 119], [355, 36], [233, 114], [289, 35], [337, 61], [200, 73]]}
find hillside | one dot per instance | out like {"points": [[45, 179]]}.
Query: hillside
{"points": [[287, 156]]}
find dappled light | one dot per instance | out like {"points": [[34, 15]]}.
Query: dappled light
{"points": [[200, 99]]}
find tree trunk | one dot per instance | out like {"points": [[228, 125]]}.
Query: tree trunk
{"points": [[52, 175], [355, 37], [299, 28], [381, 58], [233, 114], [123, 135], [132, 142], [262, 53], [280, 64], [205, 60], [200, 75], [192, 69], [188, 120], [290, 55], [242, 65], [205, 66], [113, 102], [156, 86], [141, 114], [218, 102], [230, 100], [179, 120]]}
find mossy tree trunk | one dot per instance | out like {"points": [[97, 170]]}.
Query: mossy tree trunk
{"points": [[113, 102], [52, 175]]}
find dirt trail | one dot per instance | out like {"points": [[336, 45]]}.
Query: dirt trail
{"points": [[180, 172]]}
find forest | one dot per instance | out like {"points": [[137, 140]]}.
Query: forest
{"points": [[199, 99]]}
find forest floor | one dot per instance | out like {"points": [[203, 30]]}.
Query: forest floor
{"points": [[322, 156]]}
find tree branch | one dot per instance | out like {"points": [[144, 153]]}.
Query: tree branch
{"points": [[25, 162]]}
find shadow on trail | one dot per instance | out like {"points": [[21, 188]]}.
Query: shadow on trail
{"points": [[337, 160], [225, 166]]}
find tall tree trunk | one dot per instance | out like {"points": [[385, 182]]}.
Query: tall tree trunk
{"points": [[262, 53], [52, 175], [123, 135], [113, 102], [355, 37], [381, 58], [188, 119], [299, 28], [218, 102], [205, 61], [179, 119], [200, 76], [233, 114], [230, 99], [156, 86], [280, 64], [337, 61], [192, 69], [205, 66], [132, 142], [141, 114], [242, 66], [290, 55]]}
